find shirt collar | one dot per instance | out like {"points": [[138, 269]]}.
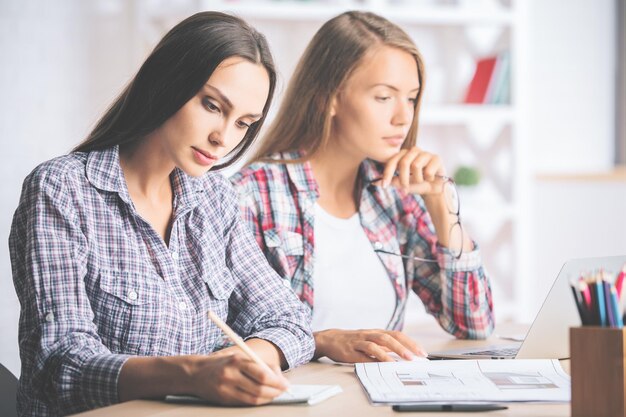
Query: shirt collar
{"points": [[300, 174], [105, 173], [369, 171], [186, 188]]}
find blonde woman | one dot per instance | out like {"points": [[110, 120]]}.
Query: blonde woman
{"points": [[349, 211]]}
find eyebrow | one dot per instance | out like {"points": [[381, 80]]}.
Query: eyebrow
{"points": [[229, 103], [392, 87]]}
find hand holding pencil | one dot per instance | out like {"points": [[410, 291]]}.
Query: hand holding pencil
{"points": [[239, 342], [233, 376]]}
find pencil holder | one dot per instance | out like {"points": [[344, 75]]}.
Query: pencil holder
{"points": [[597, 371]]}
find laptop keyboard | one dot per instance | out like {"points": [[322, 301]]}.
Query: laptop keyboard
{"points": [[496, 352]]}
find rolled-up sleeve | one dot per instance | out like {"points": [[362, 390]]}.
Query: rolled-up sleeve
{"points": [[263, 305], [65, 366]]}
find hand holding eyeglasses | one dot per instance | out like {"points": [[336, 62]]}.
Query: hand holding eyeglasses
{"points": [[415, 171], [420, 172]]}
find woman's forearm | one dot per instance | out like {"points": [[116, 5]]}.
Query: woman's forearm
{"points": [[268, 352], [443, 220], [156, 377]]}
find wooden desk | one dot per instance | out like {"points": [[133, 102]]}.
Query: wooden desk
{"points": [[351, 403]]}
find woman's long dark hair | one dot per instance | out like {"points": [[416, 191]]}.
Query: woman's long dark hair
{"points": [[174, 72]]}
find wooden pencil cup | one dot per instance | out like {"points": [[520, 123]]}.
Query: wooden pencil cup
{"points": [[597, 371]]}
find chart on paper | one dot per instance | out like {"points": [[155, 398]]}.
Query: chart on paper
{"points": [[462, 381]]}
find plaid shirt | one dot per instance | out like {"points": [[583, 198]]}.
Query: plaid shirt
{"points": [[277, 202], [97, 284]]}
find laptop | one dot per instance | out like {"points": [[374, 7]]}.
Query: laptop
{"points": [[548, 336]]}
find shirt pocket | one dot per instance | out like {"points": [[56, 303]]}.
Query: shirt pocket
{"points": [[222, 284], [285, 251], [131, 311]]}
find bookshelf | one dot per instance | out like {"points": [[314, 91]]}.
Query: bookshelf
{"points": [[452, 36]]}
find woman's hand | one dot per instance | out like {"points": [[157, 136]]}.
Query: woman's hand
{"points": [[418, 172], [351, 346], [421, 172], [231, 378]]}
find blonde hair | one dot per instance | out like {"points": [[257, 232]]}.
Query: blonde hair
{"points": [[303, 122]]}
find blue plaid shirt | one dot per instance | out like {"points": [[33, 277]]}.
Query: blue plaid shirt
{"points": [[97, 284]]}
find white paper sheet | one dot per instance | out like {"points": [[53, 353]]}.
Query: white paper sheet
{"points": [[307, 394], [511, 380]]}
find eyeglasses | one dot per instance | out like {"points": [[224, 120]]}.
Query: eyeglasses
{"points": [[453, 204]]}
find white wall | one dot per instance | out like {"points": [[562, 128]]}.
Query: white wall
{"points": [[575, 220], [62, 62], [571, 125], [571, 82]]}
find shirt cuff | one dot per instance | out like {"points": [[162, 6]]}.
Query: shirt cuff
{"points": [[469, 261], [296, 352], [99, 379]]}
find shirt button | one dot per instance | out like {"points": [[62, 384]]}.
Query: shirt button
{"points": [[175, 256], [286, 283], [50, 317], [132, 295], [182, 306], [378, 245]]}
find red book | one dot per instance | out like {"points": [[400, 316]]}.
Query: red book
{"points": [[477, 90]]}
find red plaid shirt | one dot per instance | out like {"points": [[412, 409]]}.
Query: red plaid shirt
{"points": [[277, 202]]}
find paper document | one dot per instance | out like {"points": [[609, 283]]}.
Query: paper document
{"points": [[509, 380], [297, 394]]}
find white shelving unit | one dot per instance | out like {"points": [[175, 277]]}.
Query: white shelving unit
{"points": [[400, 12], [451, 35]]}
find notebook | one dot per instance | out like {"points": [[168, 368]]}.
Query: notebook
{"points": [[297, 394], [548, 336]]}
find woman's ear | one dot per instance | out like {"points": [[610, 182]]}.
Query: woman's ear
{"points": [[333, 106]]}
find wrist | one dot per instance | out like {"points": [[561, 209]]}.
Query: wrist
{"points": [[185, 374], [156, 377], [435, 201], [321, 340]]}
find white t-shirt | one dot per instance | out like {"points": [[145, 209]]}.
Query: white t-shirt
{"points": [[352, 287]]}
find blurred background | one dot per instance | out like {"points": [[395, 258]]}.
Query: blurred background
{"points": [[525, 96]]}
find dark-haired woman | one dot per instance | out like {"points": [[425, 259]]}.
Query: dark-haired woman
{"points": [[120, 248]]}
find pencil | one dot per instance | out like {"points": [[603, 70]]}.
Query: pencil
{"points": [[616, 308], [579, 305], [238, 341], [620, 281]]}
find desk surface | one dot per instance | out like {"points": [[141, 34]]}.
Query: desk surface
{"points": [[352, 400]]}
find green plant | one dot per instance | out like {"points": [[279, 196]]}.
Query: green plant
{"points": [[466, 176]]}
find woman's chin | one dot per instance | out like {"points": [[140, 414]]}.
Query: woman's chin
{"points": [[383, 155]]}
